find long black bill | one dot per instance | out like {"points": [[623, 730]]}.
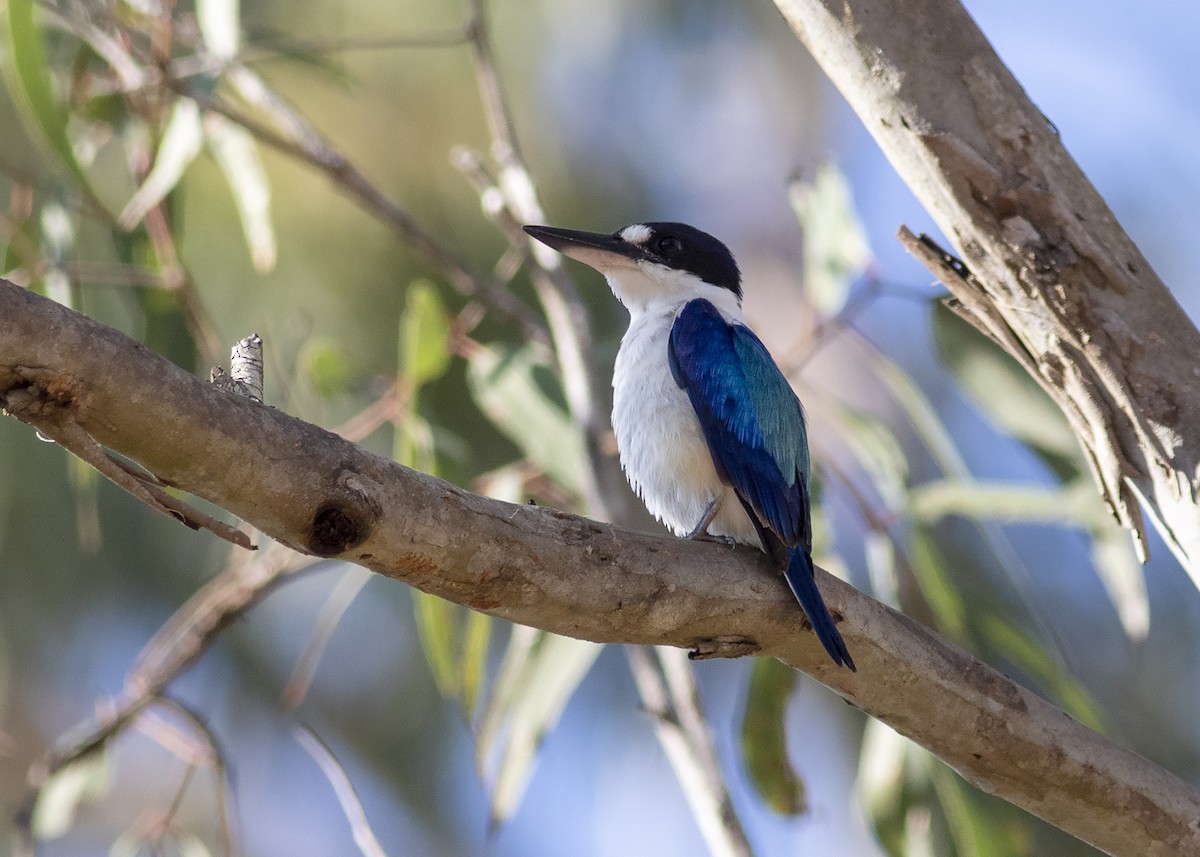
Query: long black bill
{"points": [[591, 248]]}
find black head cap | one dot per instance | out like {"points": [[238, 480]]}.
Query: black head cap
{"points": [[686, 248]]}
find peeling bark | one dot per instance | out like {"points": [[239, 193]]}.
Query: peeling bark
{"points": [[1053, 277]]}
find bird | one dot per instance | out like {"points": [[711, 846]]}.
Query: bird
{"points": [[710, 434]]}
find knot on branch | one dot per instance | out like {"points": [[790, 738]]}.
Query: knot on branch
{"points": [[345, 520], [34, 394], [336, 528]]}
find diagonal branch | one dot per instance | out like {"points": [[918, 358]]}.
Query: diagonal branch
{"points": [[1054, 278], [318, 493]]}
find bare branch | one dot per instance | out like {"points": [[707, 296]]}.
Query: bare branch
{"points": [[318, 493], [1054, 278]]}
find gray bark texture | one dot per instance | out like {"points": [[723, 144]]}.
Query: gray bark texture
{"points": [[1052, 276], [305, 487]]}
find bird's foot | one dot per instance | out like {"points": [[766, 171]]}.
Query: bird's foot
{"points": [[710, 512], [723, 647], [709, 537]]}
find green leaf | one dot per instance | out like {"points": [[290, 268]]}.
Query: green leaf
{"points": [[881, 782], [236, 153], [516, 388], [1073, 504], [67, 788], [437, 627], [455, 639], [923, 416], [424, 336], [981, 826], [476, 638], [324, 365], [977, 624], [835, 244], [537, 678], [877, 452], [1007, 501], [26, 73], [937, 584], [1005, 392], [181, 142], [764, 737]]}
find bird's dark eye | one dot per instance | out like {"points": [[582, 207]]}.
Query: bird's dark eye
{"points": [[669, 245]]}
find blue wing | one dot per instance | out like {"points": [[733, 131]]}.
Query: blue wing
{"points": [[751, 419], [758, 440]]}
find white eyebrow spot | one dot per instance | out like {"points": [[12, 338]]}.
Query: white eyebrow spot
{"points": [[637, 234]]}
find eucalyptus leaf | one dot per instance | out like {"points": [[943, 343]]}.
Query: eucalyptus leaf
{"points": [[540, 674], [424, 335], [236, 153], [324, 365], [764, 737], [181, 142], [877, 451], [923, 416], [1123, 576], [220, 27], [61, 795], [1004, 637], [454, 638], [438, 629], [516, 388], [1006, 501], [881, 782], [835, 243], [26, 73], [981, 826], [937, 584]]}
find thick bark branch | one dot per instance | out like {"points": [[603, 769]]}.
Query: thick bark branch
{"points": [[1055, 279], [316, 492]]}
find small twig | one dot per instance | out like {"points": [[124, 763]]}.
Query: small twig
{"points": [[204, 63], [245, 375], [180, 642], [226, 813], [59, 427], [189, 516], [670, 697], [384, 409], [364, 837]]}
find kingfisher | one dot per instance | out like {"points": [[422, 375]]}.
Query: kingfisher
{"points": [[711, 435]]}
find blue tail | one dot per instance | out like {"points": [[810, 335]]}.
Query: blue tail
{"points": [[803, 582]]}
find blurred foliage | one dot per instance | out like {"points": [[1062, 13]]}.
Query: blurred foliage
{"points": [[764, 737], [103, 217], [835, 242]]}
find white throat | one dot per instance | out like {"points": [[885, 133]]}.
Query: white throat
{"points": [[644, 287]]}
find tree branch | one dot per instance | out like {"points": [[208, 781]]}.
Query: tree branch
{"points": [[321, 494], [1053, 277]]}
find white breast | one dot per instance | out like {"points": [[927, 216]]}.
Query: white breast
{"points": [[662, 448]]}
